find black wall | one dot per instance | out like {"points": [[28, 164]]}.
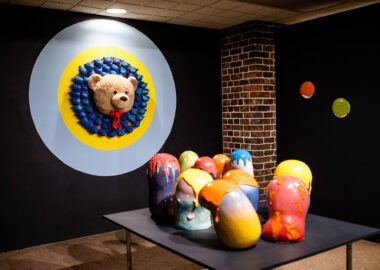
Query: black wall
{"points": [[41, 199], [340, 55]]}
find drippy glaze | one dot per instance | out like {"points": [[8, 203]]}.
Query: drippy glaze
{"points": [[208, 165], [197, 179], [215, 191], [241, 154], [166, 160], [222, 163]]}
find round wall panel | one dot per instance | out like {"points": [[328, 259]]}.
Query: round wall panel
{"points": [[62, 107]]}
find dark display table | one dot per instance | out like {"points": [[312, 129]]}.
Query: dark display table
{"points": [[204, 248]]}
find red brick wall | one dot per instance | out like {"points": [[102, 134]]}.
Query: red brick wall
{"points": [[248, 95]]}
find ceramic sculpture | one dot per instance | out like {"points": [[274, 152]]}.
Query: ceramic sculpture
{"points": [[287, 200], [187, 160], [163, 171], [207, 164], [297, 169], [222, 163], [241, 159], [236, 221], [247, 183], [188, 214]]}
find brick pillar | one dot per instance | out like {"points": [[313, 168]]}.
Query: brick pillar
{"points": [[249, 97]]}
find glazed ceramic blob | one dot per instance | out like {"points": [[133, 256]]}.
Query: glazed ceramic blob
{"points": [[236, 221], [163, 171], [241, 160], [297, 169], [188, 214], [287, 200], [222, 163], [187, 160], [247, 183], [307, 89], [341, 107], [207, 164]]}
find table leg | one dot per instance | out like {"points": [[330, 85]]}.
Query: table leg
{"points": [[129, 252], [349, 256]]}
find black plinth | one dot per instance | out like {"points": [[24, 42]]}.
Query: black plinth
{"points": [[203, 247]]}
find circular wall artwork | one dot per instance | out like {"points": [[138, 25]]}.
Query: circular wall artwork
{"points": [[62, 107], [341, 107], [307, 89]]}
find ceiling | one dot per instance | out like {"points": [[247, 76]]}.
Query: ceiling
{"points": [[214, 14]]}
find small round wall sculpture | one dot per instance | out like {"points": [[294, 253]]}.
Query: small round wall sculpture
{"points": [[287, 200], [307, 89], [188, 214], [163, 171], [236, 221], [207, 164], [187, 160], [117, 123], [341, 107], [222, 163], [241, 159], [247, 183]]}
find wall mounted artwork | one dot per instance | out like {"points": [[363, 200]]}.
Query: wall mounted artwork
{"points": [[307, 89], [341, 107], [74, 126]]}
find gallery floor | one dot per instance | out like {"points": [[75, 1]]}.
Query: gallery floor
{"points": [[107, 251]]}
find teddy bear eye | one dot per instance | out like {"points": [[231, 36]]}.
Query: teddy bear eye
{"points": [[115, 92], [126, 92]]}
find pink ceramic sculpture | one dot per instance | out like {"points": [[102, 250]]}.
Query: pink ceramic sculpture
{"points": [[208, 165], [287, 200]]}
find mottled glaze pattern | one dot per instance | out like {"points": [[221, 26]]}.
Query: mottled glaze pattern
{"points": [[287, 200], [188, 214], [163, 171], [241, 159], [236, 221]]}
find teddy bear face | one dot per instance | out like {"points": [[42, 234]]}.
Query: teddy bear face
{"points": [[113, 92]]}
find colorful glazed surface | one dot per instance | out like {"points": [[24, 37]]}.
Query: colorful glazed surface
{"points": [[241, 159], [187, 160], [236, 222], [240, 177], [163, 171], [214, 192], [297, 169], [307, 89], [247, 183], [207, 164], [187, 213], [166, 160], [196, 179], [222, 163], [287, 200]]}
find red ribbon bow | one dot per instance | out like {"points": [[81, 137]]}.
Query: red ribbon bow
{"points": [[116, 119]]}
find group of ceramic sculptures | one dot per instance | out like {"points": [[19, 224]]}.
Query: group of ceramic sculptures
{"points": [[199, 192]]}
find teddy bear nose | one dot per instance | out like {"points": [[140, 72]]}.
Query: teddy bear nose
{"points": [[124, 98]]}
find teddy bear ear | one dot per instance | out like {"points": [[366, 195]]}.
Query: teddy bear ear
{"points": [[133, 81], [93, 80]]}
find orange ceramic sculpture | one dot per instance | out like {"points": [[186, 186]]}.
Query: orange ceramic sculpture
{"points": [[287, 200], [222, 163]]}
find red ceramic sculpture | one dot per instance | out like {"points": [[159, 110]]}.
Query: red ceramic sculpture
{"points": [[207, 164], [287, 200]]}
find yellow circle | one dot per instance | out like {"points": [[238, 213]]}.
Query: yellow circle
{"points": [[295, 168], [71, 121]]}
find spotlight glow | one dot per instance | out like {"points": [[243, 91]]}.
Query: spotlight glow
{"points": [[116, 11]]}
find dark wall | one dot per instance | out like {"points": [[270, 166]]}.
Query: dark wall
{"points": [[340, 55], [41, 199]]}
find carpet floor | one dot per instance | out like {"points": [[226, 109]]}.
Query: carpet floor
{"points": [[107, 251]]}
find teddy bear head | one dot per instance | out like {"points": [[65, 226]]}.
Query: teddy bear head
{"points": [[113, 93]]}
